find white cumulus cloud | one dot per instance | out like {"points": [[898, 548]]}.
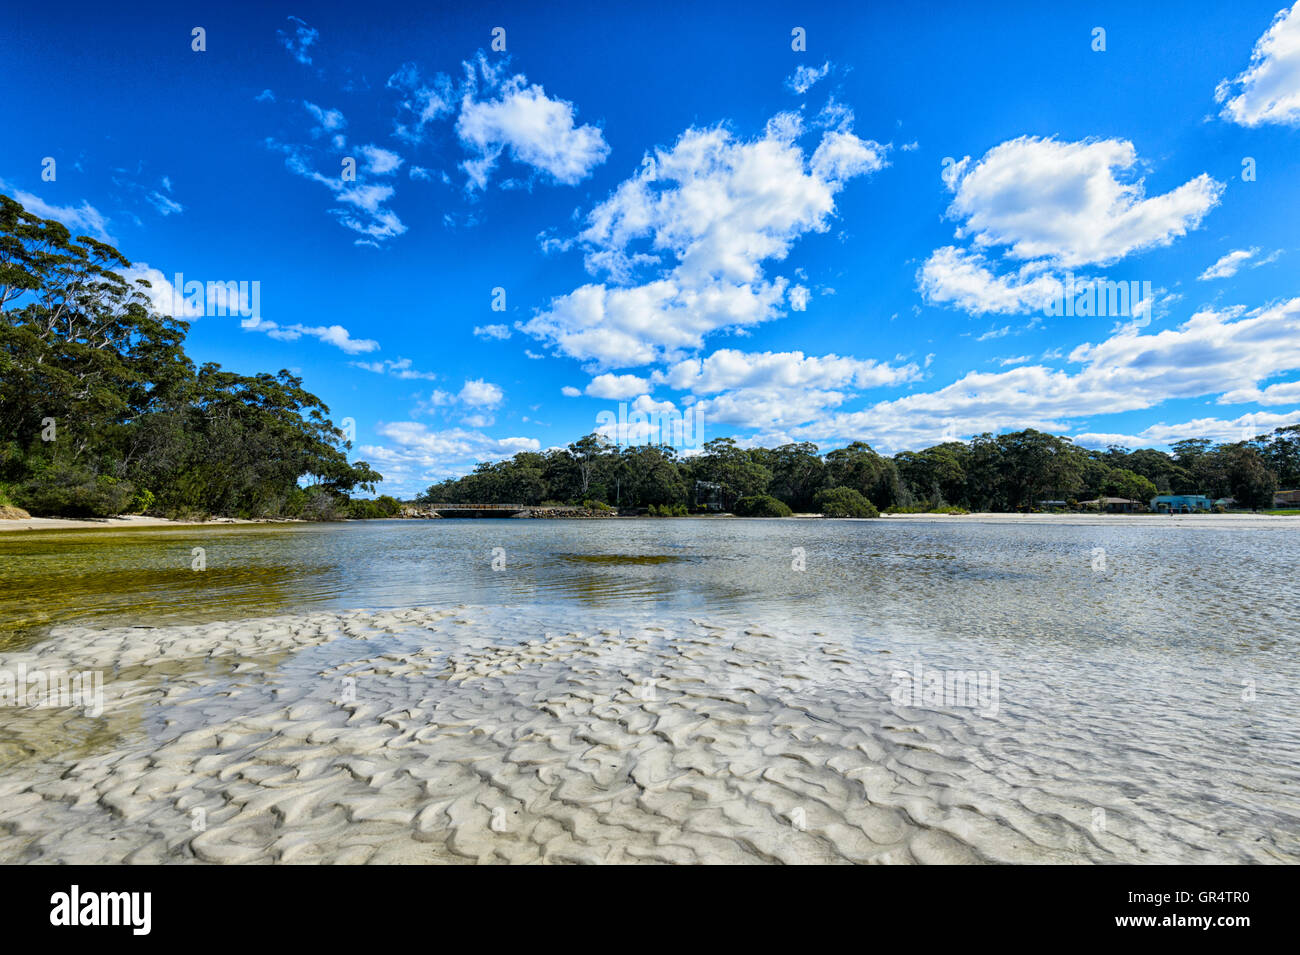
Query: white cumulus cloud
{"points": [[616, 386], [1267, 91], [481, 394], [1062, 201], [705, 215], [963, 278], [535, 129]]}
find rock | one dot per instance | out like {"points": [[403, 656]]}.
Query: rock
{"points": [[417, 511]]}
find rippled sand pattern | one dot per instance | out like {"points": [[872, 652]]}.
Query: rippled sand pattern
{"points": [[234, 743]]}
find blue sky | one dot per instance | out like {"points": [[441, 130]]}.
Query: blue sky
{"points": [[853, 241]]}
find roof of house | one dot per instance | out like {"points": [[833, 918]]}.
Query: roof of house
{"points": [[1111, 500]]}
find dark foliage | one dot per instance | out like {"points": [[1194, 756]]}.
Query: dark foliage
{"points": [[101, 411]]}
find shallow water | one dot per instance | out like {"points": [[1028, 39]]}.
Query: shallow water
{"points": [[1008, 586], [1146, 669]]}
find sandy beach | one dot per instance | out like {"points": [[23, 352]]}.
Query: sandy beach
{"points": [[138, 521], [126, 522], [468, 735]]}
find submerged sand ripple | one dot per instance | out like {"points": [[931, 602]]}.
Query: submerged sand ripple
{"points": [[421, 736]]}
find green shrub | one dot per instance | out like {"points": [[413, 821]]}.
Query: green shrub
{"points": [[925, 509], [761, 505], [845, 502], [362, 510], [667, 510], [142, 501], [293, 503], [320, 504], [596, 505], [62, 489]]}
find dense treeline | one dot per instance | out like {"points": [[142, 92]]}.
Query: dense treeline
{"points": [[102, 412], [1006, 472]]}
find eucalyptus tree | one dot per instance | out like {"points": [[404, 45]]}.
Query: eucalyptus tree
{"points": [[99, 403]]}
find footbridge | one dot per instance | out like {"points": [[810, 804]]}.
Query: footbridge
{"points": [[476, 510]]}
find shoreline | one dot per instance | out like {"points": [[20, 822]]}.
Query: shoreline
{"points": [[141, 522], [1097, 520], [128, 522]]}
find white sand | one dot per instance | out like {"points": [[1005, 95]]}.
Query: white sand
{"points": [[134, 521], [127, 522], [702, 744]]}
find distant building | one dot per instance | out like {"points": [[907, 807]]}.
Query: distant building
{"points": [[1115, 505], [1287, 498], [1181, 504], [708, 495]]}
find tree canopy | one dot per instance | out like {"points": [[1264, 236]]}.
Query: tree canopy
{"points": [[1007, 472], [101, 410]]}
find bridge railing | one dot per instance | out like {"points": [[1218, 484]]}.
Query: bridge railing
{"points": [[475, 507]]}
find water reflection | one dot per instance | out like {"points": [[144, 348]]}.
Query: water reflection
{"points": [[1220, 590]]}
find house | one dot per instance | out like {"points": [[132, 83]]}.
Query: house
{"points": [[1181, 504], [1114, 505], [1287, 498], [708, 495]]}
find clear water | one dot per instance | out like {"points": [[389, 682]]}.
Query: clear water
{"points": [[1226, 594], [1153, 664]]}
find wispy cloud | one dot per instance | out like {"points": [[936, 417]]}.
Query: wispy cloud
{"points": [[335, 335], [423, 101], [805, 77], [327, 120], [362, 206], [396, 368], [84, 218], [299, 40], [414, 455], [1227, 266]]}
